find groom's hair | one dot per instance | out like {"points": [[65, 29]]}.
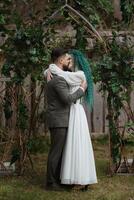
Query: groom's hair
{"points": [[57, 53]]}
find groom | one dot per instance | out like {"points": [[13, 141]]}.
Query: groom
{"points": [[59, 100]]}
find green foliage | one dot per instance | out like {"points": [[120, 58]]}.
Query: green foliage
{"points": [[130, 127], [2, 19], [4, 14], [114, 71], [100, 12], [115, 141], [25, 54], [95, 10], [38, 144], [22, 119], [81, 40], [127, 7]]}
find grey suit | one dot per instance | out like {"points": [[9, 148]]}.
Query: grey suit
{"points": [[59, 100]]}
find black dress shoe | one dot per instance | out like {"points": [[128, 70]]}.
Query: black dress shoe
{"points": [[67, 187], [54, 187], [85, 188]]}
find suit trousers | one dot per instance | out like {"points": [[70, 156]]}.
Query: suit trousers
{"points": [[58, 139]]}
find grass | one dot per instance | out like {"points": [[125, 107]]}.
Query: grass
{"points": [[32, 185]]}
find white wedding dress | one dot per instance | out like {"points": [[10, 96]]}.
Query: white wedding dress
{"points": [[78, 165]]}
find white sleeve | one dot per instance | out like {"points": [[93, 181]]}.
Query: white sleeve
{"points": [[45, 72], [72, 78], [75, 78]]}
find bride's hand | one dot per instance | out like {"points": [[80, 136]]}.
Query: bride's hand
{"points": [[84, 85], [49, 75]]}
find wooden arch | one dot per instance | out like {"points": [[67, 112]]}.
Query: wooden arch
{"points": [[88, 25]]}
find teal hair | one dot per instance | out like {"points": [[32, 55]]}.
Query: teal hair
{"points": [[82, 63]]}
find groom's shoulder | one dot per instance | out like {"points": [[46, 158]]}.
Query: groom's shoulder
{"points": [[57, 79], [57, 82]]}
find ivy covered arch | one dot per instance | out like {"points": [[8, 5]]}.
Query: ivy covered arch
{"points": [[25, 56]]}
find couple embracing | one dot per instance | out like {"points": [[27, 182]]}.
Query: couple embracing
{"points": [[71, 158]]}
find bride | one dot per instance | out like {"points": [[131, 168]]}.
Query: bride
{"points": [[78, 165]]}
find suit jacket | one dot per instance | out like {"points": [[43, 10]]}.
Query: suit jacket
{"points": [[59, 100]]}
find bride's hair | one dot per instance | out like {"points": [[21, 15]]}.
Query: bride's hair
{"points": [[82, 63]]}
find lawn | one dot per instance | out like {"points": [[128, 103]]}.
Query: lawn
{"points": [[32, 185]]}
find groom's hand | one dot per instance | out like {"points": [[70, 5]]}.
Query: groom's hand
{"points": [[49, 75], [83, 85]]}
